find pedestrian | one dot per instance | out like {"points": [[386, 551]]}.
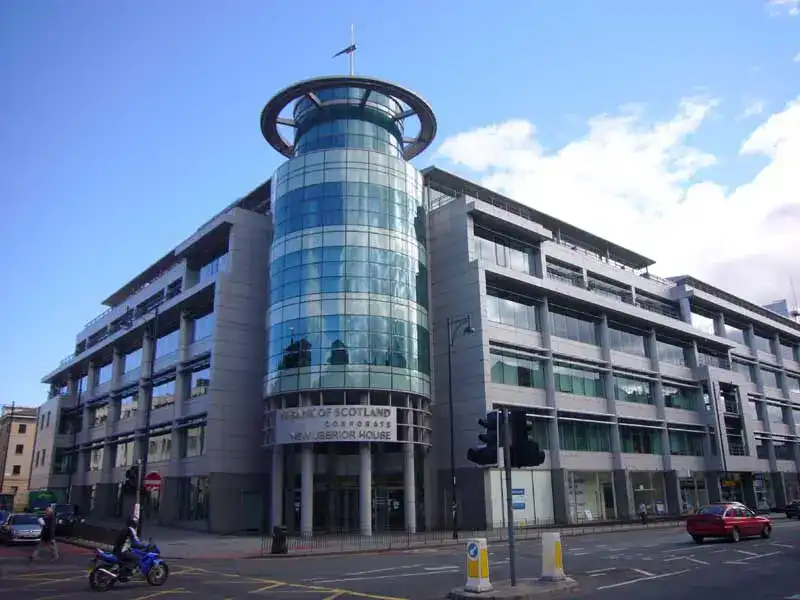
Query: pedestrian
{"points": [[48, 536], [643, 513]]}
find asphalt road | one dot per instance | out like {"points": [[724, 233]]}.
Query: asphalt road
{"points": [[659, 564]]}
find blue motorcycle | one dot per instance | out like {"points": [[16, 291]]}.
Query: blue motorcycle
{"points": [[106, 571]]}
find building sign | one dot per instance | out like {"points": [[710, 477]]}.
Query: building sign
{"points": [[317, 424]]}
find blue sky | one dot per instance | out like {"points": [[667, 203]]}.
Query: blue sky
{"points": [[126, 124]]}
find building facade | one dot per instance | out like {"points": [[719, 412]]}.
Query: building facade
{"points": [[629, 378], [17, 438], [348, 370], [288, 363]]}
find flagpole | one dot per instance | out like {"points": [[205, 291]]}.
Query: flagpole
{"points": [[352, 52]]}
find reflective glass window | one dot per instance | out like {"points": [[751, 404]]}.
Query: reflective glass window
{"points": [[194, 441], [671, 353], [204, 326], [628, 389], [133, 360], [509, 368], [770, 378], [512, 312], [123, 454], [681, 397], [582, 436], [576, 380], [686, 443], [167, 344], [573, 327], [640, 440], [163, 394], [128, 405], [626, 341], [159, 448]]}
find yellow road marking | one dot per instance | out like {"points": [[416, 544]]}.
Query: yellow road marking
{"points": [[49, 581], [55, 596], [271, 586], [163, 593], [335, 595], [43, 573]]}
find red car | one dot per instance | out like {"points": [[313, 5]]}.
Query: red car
{"points": [[728, 520]]}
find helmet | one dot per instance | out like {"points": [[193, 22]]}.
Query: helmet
{"points": [[132, 522]]}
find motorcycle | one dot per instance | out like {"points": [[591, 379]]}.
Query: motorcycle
{"points": [[105, 569]]}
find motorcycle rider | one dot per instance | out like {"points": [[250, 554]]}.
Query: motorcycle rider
{"points": [[126, 540]]}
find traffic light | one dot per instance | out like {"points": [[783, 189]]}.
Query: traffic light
{"points": [[486, 454], [525, 452], [132, 477]]}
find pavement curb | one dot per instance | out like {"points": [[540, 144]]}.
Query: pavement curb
{"points": [[522, 591], [566, 532]]}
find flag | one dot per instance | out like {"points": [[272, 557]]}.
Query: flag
{"points": [[349, 50]]}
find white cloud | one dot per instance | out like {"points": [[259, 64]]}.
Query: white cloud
{"points": [[752, 108], [796, 57], [639, 184], [792, 7]]}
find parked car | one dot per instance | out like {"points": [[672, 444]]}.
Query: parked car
{"points": [[731, 520], [792, 510], [67, 517], [20, 528]]}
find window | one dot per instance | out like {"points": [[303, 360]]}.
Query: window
{"points": [[194, 441], [36, 459], [199, 382], [626, 341], [640, 440], [160, 448], [576, 380], [509, 368], [584, 436], [103, 374], [47, 423], [44, 457], [23, 428], [16, 470], [671, 353], [788, 351], [133, 360], [627, 389], [762, 343], [573, 327], [204, 327], [770, 378], [680, 397], [167, 344], [98, 415], [163, 394], [503, 251], [702, 322], [794, 383], [19, 449], [734, 333], [123, 456], [128, 405], [686, 443], [511, 312], [746, 369], [774, 412], [96, 458], [62, 462]]}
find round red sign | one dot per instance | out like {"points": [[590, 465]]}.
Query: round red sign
{"points": [[152, 481]]}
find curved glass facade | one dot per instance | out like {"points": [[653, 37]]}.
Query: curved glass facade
{"points": [[348, 272]]}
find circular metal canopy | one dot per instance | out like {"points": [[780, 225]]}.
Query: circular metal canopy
{"points": [[270, 116]]}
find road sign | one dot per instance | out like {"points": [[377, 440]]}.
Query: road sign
{"points": [[152, 482]]}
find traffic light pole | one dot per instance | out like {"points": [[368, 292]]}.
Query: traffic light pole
{"points": [[137, 509], [512, 554]]}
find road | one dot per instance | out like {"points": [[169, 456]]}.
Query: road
{"points": [[660, 564]]}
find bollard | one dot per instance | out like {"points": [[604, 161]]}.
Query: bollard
{"points": [[552, 558], [477, 566]]}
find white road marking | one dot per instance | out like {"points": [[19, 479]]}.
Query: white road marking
{"points": [[643, 572], [579, 553], [747, 553], [632, 581], [573, 549], [601, 571], [782, 546], [440, 572], [686, 549], [743, 561], [381, 570], [442, 568], [719, 551]]}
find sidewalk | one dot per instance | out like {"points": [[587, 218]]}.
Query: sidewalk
{"points": [[182, 544]]}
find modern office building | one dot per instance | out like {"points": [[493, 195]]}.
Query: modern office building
{"points": [[667, 393], [17, 437], [288, 363]]}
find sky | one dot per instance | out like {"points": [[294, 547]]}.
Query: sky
{"points": [[672, 128]]}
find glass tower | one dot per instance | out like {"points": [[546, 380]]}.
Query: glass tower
{"points": [[348, 272]]}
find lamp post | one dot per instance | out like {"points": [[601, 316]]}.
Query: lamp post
{"points": [[455, 326]]}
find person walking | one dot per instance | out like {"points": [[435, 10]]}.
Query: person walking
{"points": [[643, 513], [48, 537]]}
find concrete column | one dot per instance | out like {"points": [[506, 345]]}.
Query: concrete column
{"points": [[186, 336], [550, 386], [307, 490], [276, 488], [429, 489], [685, 309], [713, 487], [409, 473], [672, 484], [778, 488], [91, 382], [365, 483], [749, 490], [719, 325], [750, 339], [117, 367], [561, 512], [622, 494]]}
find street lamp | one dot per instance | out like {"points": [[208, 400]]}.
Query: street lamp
{"points": [[455, 326]]}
